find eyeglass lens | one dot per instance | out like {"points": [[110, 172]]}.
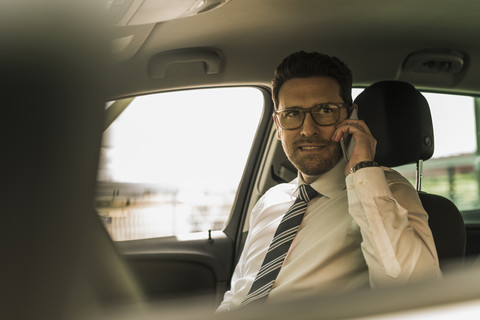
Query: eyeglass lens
{"points": [[323, 115]]}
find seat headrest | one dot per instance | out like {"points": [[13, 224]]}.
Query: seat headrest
{"points": [[399, 118]]}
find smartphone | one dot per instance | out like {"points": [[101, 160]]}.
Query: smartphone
{"points": [[346, 142]]}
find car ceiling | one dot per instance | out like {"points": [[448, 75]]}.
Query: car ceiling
{"points": [[251, 37]]}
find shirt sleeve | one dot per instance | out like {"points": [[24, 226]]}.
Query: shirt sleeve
{"points": [[397, 242]]}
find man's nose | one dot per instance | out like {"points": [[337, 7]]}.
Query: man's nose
{"points": [[309, 127]]}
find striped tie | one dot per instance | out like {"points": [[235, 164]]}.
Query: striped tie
{"points": [[286, 231]]}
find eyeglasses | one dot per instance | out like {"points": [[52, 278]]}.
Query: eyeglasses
{"points": [[324, 114]]}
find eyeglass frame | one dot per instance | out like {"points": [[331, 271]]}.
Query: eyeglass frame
{"points": [[304, 111]]}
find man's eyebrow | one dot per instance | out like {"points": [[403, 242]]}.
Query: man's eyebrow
{"points": [[313, 105], [292, 107]]}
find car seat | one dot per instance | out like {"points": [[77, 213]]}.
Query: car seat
{"points": [[399, 118]]}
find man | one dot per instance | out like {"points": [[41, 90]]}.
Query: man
{"points": [[366, 226]]}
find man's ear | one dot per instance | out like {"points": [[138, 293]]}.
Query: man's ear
{"points": [[279, 136]]}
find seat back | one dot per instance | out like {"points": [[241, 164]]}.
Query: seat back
{"points": [[399, 118], [447, 227]]}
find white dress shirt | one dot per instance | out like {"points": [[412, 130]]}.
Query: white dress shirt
{"points": [[368, 229]]}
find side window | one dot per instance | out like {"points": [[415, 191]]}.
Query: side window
{"points": [[452, 171], [171, 162]]}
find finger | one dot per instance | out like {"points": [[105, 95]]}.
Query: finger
{"points": [[360, 124], [352, 126], [343, 130]]}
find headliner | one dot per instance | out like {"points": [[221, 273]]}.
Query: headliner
{"points": [[372, 36]]}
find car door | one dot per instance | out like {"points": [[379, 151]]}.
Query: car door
{"points": [[176, 175]]}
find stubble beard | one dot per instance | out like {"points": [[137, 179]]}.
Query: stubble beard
{"points": [[314, 165]]}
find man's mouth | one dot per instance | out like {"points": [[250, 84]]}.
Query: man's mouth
{"points": [[308, 148]]}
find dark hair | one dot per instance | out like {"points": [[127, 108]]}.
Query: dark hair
{"points": [[303, 64]]}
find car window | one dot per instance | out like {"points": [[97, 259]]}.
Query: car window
{"points": [[171, 162], [452, 171]]}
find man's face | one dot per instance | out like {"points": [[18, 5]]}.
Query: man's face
{"points": [[310, 148]]}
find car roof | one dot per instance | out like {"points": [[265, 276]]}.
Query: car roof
{"points": [[251, 37]]}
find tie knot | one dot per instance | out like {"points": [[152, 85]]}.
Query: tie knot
{"points": [[306, 192]]}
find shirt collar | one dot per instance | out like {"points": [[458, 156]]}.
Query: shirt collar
{"points": [[329, 183]]}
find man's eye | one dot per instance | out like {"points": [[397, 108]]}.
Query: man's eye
{"points": [[324, 110], [291, 113]]}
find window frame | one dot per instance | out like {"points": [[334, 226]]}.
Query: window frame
{"points": [[235, 219]]}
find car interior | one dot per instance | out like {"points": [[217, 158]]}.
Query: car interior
{"points": [[78, 239]]}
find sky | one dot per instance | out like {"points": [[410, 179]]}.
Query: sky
{"points": [[168, 137]]}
